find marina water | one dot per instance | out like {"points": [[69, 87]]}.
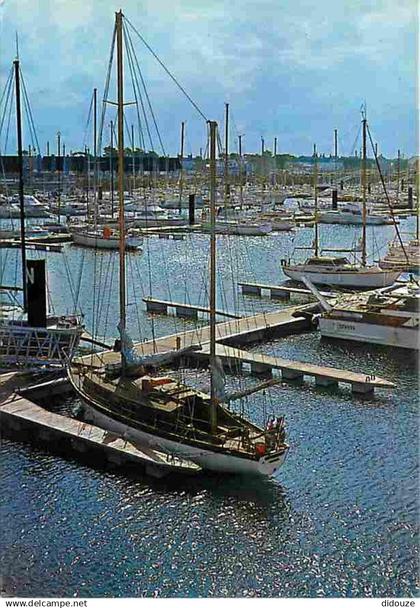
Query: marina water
{"points": [[341, 518]]}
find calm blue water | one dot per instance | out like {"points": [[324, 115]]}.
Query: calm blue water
{"points": [[341, 519]]}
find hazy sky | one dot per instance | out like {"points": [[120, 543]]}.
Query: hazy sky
{"points": [[293, 69]]}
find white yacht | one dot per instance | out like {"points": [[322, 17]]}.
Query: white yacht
{"points": [[352, 214], [389, 317], [339, 272], [10, 208]]}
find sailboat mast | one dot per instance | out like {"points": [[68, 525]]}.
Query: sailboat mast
{"points": [[181, 172], [226, 164], [21, 194], [364, 193], [241, 172], [120, 98], [213, 404], [417, 178], [95, 159], [111, 169], [316, 252]]}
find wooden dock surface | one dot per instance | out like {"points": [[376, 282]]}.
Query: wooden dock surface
{"points": [[241, 331], [20, 414], [296, 370], [182, 309], [235, 332]]}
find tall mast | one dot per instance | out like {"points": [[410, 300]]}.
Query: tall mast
{"points": [[21, 195], [335, 156], [213, 400], [417, 178], [316, 252], [133, 166], [262, 161], [120, 97], [111, 169], [226, 164], [364, 122], [95, 160], [59, 173], [181, 173], [275, 161], [241, 176]]}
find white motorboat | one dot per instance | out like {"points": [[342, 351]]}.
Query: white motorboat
{"points": [[387, 317], [33, 208]]}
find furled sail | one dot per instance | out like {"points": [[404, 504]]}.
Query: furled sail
{"points": [[133, 359]]}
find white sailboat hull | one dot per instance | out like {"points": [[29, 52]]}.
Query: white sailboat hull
{"points": [[342, 217], [359, 279], [207, 459], [371, 333], [100, 242], [283, 225]]}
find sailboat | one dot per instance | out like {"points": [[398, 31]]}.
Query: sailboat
{"points": [[338, 271], [35, 340], [134, 400], [95, 236]]}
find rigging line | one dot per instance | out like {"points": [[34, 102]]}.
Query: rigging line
{"points": [[394, 221], [133, 82], [135, 79], [149, 269], [106, 91], [147, 96], [12, 98], [6, 86], [7, 101], [69, 279], [106, 323], [79, 279], [31, 118], [87, 122], [31, 128], [135, 299], [107, 283], [166, 70]]}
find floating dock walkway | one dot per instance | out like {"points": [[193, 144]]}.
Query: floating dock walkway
{"points": [[247, 330], [20, 416], [282, 292], [189, 311], [295, 370]]}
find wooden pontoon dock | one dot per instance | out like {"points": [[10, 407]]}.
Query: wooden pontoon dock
{"points": [[20, 417], [247, 330]]}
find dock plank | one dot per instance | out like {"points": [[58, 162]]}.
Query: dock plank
{"points": [[306, 369]]}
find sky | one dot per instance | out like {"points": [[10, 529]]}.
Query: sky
{"points": [[291, 69]]}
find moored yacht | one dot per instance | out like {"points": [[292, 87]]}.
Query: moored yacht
{"points": [[388, 317], [339, 272], [131, 397]]}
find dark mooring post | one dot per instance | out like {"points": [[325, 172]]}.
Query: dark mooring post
{"points": [[21, 194], [191, 209], [341, 185], [37, 296], [334, 199], [410, 197]]}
